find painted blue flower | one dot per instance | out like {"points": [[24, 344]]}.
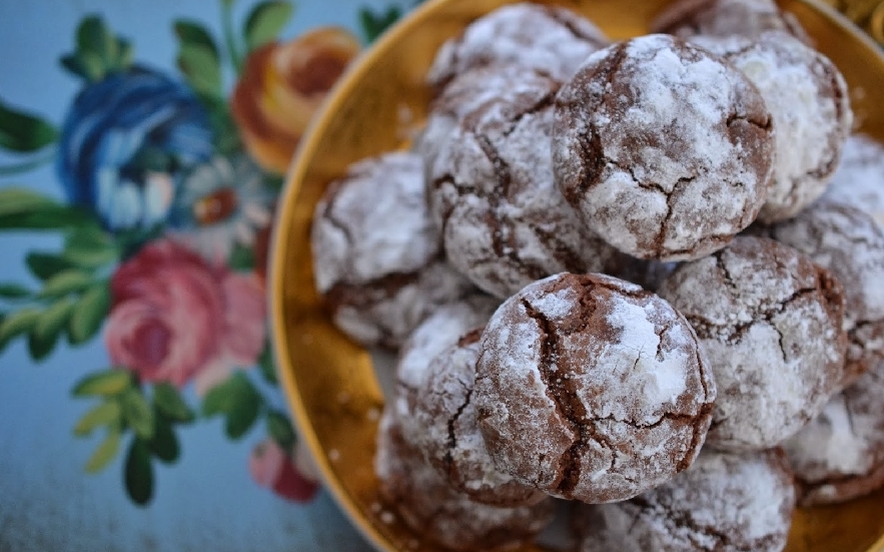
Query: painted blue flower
{"points": [[127, 140]]}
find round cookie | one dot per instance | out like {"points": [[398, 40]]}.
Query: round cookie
{"points": [[591, 388], [859, 178], [503, 221], [723, 18], [723, 503], [808, 101], [769, 321], [439, 515], [376, 255], [442, 329], [451, 440], [839, 456], [850, 244], [551, 39], [664, 150]]}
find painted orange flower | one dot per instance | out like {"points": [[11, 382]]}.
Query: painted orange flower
{"points": [[281, 88]]}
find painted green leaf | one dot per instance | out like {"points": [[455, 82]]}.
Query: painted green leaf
{"points": [[44, 335], [74, 65], [46, 265], [280, 429], [191, 32], [164, 444], [137, 413], [66, 282], [15, 199], [90, 247], [374, 25], [242, 258], [201, 68], [106, 383], [105, 452], [105, 414], [13, 291], [24, 132], [17, 323], [238, 400], [89, 314], [93, 36], [23, 209], [169, 401], [265, 22], [127, 53], [267, 365], [242, 416], [39, 346], [138, 475]]}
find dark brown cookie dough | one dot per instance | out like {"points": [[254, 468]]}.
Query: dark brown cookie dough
{"points": [[722, 503], [664, 150], [808, 101], [376, 255], [436, 513], [503, 221], [552, 39], [591, 388], [723, 18], [442, 329], [451, 440], [839, 456], [770, 322], [850, 244]]}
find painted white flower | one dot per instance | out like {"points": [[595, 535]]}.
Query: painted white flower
{"points": [[220, 204]]}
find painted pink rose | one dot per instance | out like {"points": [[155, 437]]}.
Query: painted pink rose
{"points": [[175, 317], [290, 476]]}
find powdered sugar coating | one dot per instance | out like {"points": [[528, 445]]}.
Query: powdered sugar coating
{"points": [[769, 321], [503, 221], [664, 150], [859, 178], [807, 98], [451, 440], [723, 503], [589, 387], [850, 244], [442, 329], [531, 36], [439, 515], [724, 18], [376, 255], [840, 454]]}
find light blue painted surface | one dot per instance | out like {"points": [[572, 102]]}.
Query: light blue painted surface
{"points": [[207, 501]]}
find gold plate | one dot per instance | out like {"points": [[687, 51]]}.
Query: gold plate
{"points": [[330, 382]]}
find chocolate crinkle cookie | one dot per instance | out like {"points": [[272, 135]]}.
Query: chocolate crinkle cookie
{"points": [[530, 36], [850, 244], [859, 178], [724, 503], [438, 514], [723, 18], [770, 323], [664, 150], [376, 255], [591, 388], [808, 100], [839, 456], [492, 193], [451, 440], [441, 330]]}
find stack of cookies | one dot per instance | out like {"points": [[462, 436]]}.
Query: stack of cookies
{"points": [[631, 275]]}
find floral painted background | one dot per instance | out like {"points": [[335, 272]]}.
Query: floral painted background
{"points": [[135, 227]]}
